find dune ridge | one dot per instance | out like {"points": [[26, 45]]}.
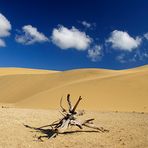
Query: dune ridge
{"points": [[15, 71], [105, 90]]}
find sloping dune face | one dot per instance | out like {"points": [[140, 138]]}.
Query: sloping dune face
{"points": [[16, 71], [105, 90]]}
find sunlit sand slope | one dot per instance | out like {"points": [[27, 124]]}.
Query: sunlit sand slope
{"points": [[125, 90], [14, 71]]}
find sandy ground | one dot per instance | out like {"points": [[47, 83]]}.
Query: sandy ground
{"points": [[126, 130], [121, 95]]}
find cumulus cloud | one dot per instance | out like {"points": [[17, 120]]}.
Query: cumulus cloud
{"points": [[5, 28], [123, 41], [70, 38], [30, 35], [2, 43], [95, 53]]}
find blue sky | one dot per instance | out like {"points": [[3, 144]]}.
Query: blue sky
{"points": [[69, 34]]}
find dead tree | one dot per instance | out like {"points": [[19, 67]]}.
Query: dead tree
{"points": [[70, 119]]}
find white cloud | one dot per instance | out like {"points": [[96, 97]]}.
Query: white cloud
{"points": [[70, 38], [86, 24], [5, 26], [123, 41], [146, 35], [140, 55], [137, 55], [95, 53], [2, 43], [30, 36]]}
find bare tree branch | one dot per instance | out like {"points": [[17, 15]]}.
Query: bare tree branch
{"points": [[70, 119], [74, 108], [69, 102]]}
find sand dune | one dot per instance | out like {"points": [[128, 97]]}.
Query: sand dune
{"points": [[106, 90], [16, 71]]}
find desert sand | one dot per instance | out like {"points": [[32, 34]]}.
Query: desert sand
{"points": [[117, 99], [126, 130], [102, 90]]}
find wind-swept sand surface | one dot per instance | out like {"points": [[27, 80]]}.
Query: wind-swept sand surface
{"points": [[126, 130], [17, 71], [122, 96], [105, 90]]}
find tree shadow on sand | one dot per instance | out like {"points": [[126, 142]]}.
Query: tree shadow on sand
{"points": [[50, 133]]}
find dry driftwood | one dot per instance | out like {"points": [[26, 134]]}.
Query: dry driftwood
{"points": [[70, 119]]}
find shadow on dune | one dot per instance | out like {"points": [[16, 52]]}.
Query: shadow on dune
{"points": [[50, 133]]}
